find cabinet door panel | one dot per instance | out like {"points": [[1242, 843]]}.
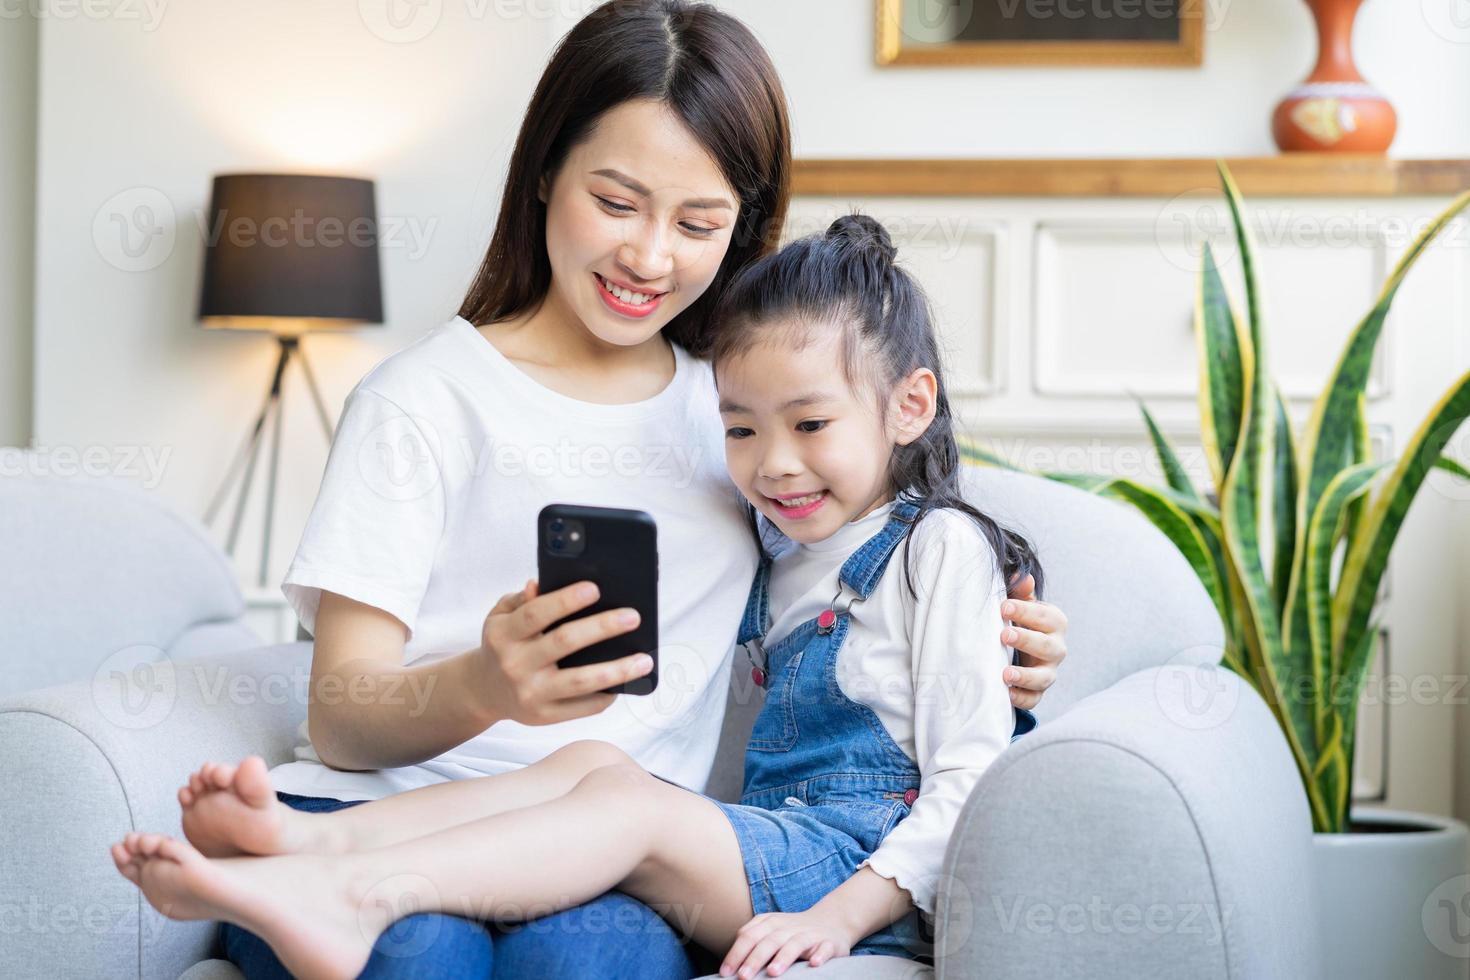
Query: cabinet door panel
{"points": [[1115, 310]]}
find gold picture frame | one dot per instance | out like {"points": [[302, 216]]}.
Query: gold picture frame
{"points": [[1184, 51]]}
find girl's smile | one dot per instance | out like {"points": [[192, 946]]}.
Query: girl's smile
{"points": [[794, 508]]}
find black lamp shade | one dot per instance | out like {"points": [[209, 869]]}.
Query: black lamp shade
{"points": [[290, 253]]}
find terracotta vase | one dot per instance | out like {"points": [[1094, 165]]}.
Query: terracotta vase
{"points": [[1334, 110]]}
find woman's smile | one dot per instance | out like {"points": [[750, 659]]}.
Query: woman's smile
{"points": [[626, 301]]}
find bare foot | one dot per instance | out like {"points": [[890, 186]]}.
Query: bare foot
{"points": [[231, 810], [302, 905]]}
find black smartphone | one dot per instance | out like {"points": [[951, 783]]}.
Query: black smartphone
{"points": [[618, 550]]}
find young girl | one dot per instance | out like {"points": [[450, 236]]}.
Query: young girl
{"points": [[653, 164], [880, 715]]}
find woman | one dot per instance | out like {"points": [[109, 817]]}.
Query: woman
{"points": [[652, 165]]}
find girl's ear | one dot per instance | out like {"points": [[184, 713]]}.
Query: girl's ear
{"points": [[913, 404], [542, 192]]}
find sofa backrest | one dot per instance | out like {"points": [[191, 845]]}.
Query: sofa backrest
{"points": [[98, 572], [1131, 599]]}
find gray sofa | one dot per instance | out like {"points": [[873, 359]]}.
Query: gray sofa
{"points": [[1153, 825]]}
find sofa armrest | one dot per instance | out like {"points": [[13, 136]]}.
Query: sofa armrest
{"points": [[86, 762], [1158, 828]]}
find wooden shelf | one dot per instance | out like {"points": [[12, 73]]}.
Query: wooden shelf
{"points": [[1289, 175]]}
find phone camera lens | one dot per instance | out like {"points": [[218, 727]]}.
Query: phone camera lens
{"points": [[557, 543], [556, 525]]}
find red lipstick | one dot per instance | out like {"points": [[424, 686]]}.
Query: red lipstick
{"points": [[621, 306]]}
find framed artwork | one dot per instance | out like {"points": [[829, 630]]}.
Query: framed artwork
{"points": [[1040, 32]]}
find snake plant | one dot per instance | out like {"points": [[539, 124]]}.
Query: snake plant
{"points": [[1262, 539]]}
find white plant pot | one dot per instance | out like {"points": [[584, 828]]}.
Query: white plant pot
{"points": [[1393, 897]]}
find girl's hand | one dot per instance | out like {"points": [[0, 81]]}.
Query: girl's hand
{"points": [[1040, 634], [775, 940], [521, 678]]}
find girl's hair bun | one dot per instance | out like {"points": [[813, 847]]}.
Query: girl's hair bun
{"points": [[862, 231]]}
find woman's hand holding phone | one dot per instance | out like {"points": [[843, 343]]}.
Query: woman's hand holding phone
{"points": [[522, 680]]}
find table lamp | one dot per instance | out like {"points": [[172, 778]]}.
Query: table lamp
{"points": [[286, 254]]}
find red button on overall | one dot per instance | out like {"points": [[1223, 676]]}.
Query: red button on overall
{"points": [[826, 619], [909, 796], [759, 676]]}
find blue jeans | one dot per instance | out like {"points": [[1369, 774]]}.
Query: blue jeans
{"points": [[613, 935]]}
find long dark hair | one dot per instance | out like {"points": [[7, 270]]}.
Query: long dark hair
{"points": [[848, 278], [704, 65]]}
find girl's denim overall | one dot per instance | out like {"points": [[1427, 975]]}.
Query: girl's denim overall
{"points": [[824, 781]]}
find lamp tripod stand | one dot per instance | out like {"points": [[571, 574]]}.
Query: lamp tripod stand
{"points": [[299, 284], [249, 451]]}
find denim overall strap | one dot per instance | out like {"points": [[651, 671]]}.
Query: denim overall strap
{"points": [[861, 572], [757, 618], [811, 742]]}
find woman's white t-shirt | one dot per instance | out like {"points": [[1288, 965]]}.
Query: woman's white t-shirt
{"points": [[444, 455]]}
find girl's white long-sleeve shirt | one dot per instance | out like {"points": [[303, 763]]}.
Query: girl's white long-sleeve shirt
{"points": [[928, 663]]}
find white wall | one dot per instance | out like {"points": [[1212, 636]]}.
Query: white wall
{"points": [[137, 112], [136, 117], [18, 44]]}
